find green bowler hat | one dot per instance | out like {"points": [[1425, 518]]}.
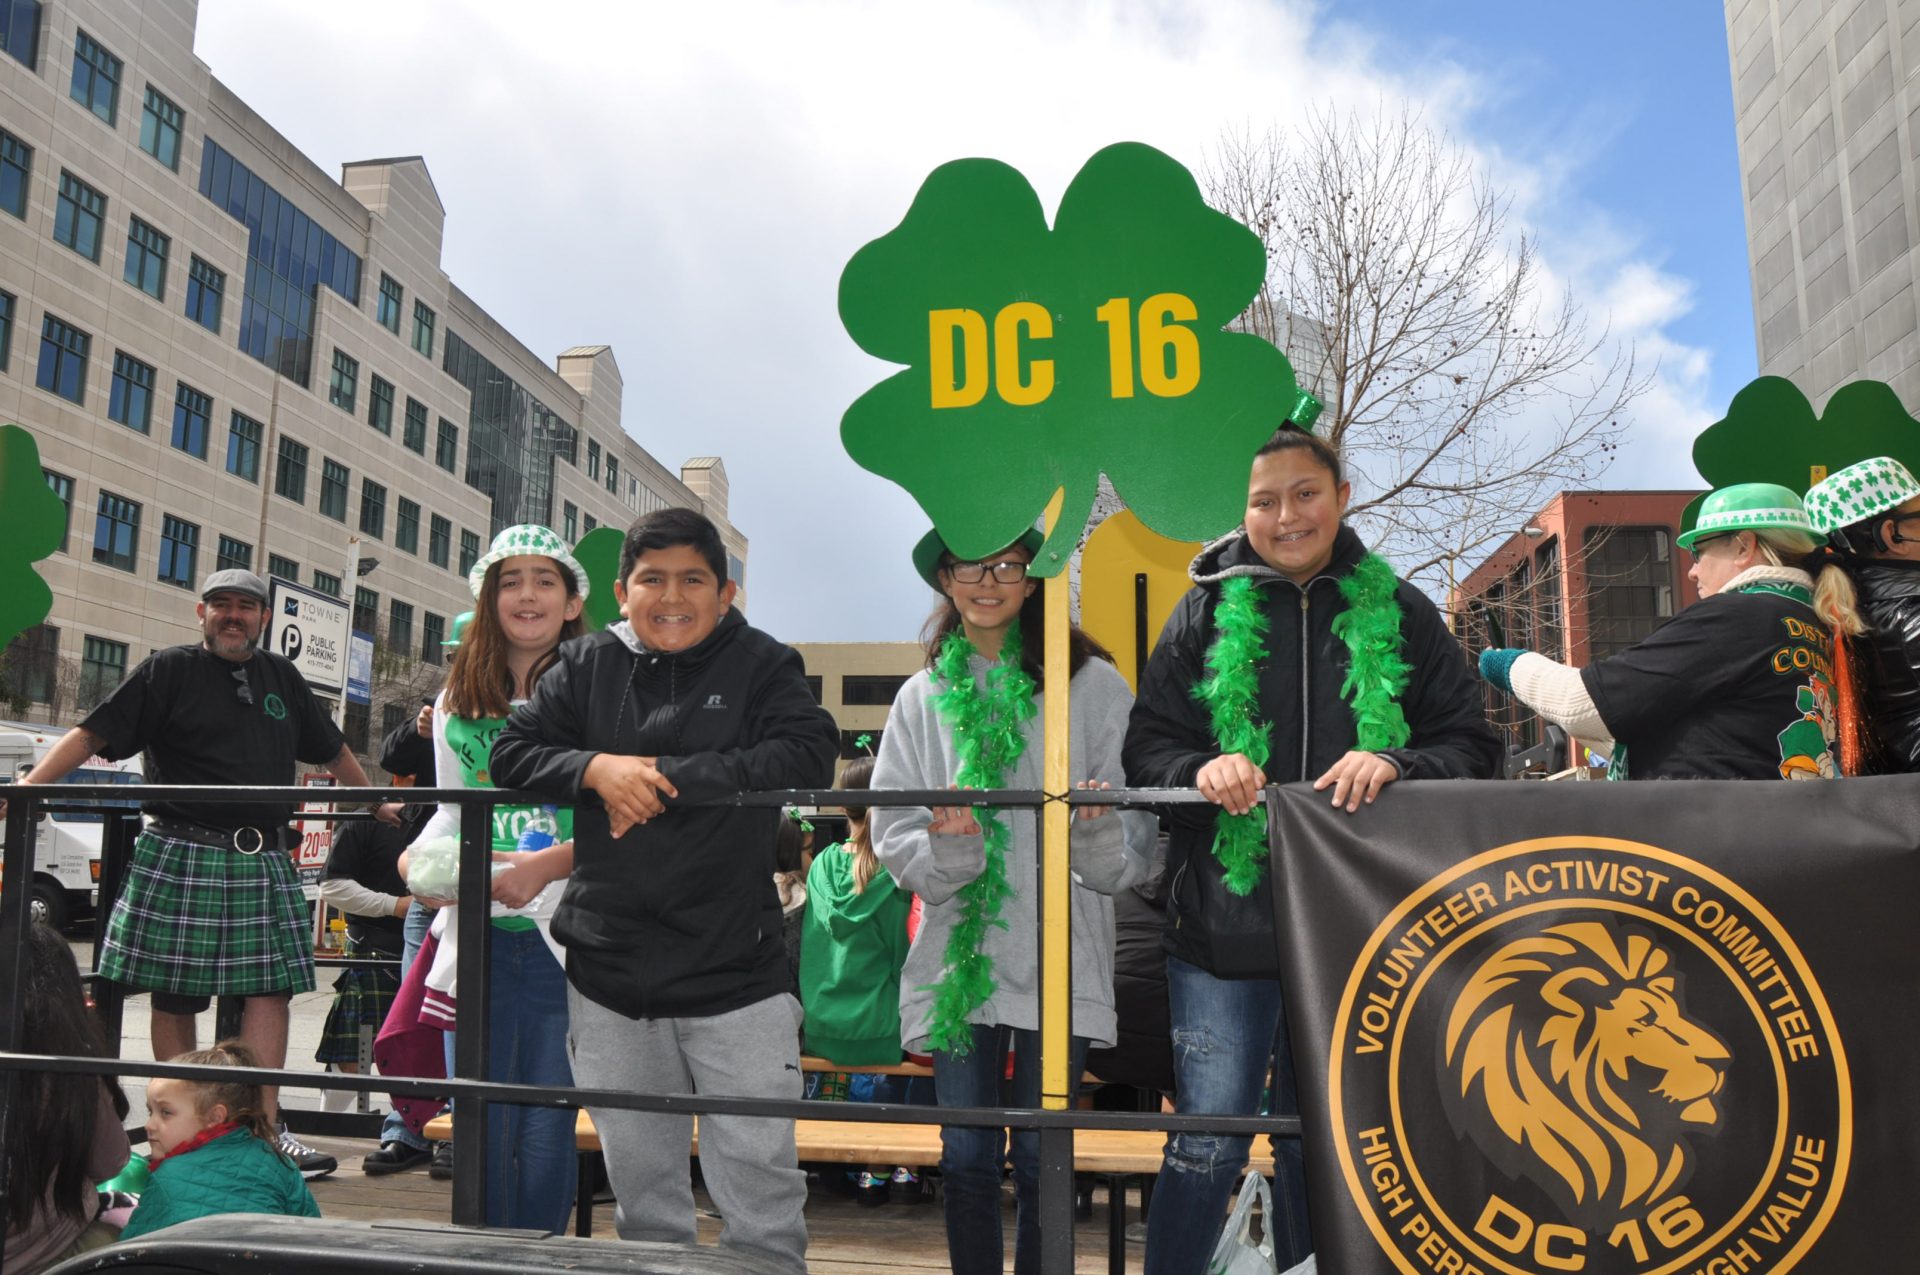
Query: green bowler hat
{"points": [[459, 630], [926, 554], [1859, 492], [1748, 507]]}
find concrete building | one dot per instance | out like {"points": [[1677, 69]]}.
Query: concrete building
{"points": [[1826, 105], [1589, 575], [231, 357], [856, 682]]}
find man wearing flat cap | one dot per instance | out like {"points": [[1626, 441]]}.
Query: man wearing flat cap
{"points": [[212, 904]]}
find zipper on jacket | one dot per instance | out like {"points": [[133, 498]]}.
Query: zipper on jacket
{"points": [[1306, 699]]}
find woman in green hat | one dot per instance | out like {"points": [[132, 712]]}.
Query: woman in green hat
{"points": [[1868, 591], [1737, 686]]}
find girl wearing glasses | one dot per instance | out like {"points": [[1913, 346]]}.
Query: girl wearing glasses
{"points": [[1868, 592], [969, 993]]}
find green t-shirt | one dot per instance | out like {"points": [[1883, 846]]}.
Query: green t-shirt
{"points": [[515, 828]]}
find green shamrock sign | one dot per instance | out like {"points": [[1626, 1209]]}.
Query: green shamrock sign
{"points": [[32, 521], [1036, 358], [598, 553]]}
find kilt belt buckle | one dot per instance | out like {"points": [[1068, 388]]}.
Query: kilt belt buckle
{"points": [[239, 840]]}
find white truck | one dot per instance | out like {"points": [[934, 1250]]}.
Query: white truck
{"points": [[66, 859]]}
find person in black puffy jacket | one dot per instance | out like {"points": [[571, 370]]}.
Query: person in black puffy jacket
{"points": [[1223, 962], [1868, 590]]}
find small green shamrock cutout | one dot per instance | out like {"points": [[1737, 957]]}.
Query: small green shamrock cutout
{"points": [[598, 553], [32, 521], [1037, 358], [864, 741]]}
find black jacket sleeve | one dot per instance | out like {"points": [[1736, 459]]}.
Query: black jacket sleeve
{"points": [[540, 748], [405, 751], [1168, 735], [791, 741], [1443, 702], [1895, 710]]}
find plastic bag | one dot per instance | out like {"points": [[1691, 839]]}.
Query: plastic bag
{"points": [[1238, 1253], [433, 871]]}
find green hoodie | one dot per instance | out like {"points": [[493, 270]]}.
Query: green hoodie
{"points": [[851, 949]]}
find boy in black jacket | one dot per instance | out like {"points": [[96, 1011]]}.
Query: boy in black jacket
{"points": [[676, 966]]}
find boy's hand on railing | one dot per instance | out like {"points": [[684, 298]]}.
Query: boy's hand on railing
{"points": [[631, 788], [1357, 777], [1092, 812], [1232, 782]]}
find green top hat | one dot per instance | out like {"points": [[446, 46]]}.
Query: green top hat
{"points": [[926, 554], [460, 623], [1859, 492], [1748, 507]]}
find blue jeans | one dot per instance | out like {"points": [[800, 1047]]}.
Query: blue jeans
{"points": [[532, 1171], [1226, 1032], [972, 1158]]}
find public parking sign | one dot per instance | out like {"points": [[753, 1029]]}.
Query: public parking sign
{"points": [[310, 628]]}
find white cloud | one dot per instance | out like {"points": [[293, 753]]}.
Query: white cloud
{"points": [[685, 182]]}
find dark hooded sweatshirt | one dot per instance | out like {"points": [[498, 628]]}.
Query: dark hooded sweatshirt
{"points": [[679, 918], [1169, 736]]}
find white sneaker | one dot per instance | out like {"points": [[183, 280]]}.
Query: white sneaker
{"points": [[311, 1163]]}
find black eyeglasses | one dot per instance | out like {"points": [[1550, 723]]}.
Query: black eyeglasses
{"points": [[245, 689], [975, 572]]}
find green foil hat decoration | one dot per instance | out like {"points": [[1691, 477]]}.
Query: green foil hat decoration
{"points": [[32, 522], [598, 553], [1034, 358]]}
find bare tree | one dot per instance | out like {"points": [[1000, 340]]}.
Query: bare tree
{"points": [[1461, 384]]}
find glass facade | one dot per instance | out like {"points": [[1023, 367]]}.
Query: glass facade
{"points": [[1630, 586], [288, 258], [512, 438]]}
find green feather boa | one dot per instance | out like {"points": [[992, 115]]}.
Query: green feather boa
{"points": [[1377, 675], [989, 734]]}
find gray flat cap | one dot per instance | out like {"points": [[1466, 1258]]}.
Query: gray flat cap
{"points": [[234, 580]]}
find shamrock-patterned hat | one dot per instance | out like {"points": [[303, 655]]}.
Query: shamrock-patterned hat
{"points": [[1859, 492], [1748, 507], [527, 538]]}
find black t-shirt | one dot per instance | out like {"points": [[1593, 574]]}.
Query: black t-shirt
{"points": [[182, 707], [368, 851], [1737, 686]]}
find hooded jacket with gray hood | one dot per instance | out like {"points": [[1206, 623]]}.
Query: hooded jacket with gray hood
{"points": [[1169, 736]]}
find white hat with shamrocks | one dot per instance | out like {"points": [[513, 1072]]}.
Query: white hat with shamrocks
{"points": [[533, 539], [1859, 492]]}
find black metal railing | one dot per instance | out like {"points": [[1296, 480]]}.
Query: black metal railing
{"points": [[469, 1088]]}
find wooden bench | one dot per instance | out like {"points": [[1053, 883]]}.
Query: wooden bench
{"points": [[1114, 1154]]}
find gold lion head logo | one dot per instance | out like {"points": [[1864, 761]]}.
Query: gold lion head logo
{"points": [[1588, 1069]]}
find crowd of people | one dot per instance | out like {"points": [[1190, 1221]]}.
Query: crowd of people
{"points": [[648, 937]]}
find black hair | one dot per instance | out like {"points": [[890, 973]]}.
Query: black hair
{"points": [[789, 845], [856, 776], [50, 1137], [1033, 632], [1288, 437], [668, 529]]}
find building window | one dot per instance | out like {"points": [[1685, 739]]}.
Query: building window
{"points": [[205, 289], [380, 404], [16, 168], [283, 568], [373, 508], [613, 474], [570, 521], [366, 609], [290, 475], [870, 689], [737, 571], [116, 532], [96, 77], [20, 31], [63, 359], [103, 665], [355, 722], [814, 687], [326, 582], [391, 717], [179, 546], [31, 667], [587, 523], [63, 488], [243, 448], [233, 555], [423, 329], [344, 387], [130, 401], [160, 124], [147, 258], [469, 551], [78, 216], [333, 489], [433, 631], [439, 540], [400, 626], [389, 311], [6, 328], [1629, 586], [192, 412], [593, 459], [415, 437], [446, 449], [406, 525]]}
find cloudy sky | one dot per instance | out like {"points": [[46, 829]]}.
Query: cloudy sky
{"points": [[685, 182]]}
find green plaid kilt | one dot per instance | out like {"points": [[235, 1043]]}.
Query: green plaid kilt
{"points": [[208, 921], [361, 998]]}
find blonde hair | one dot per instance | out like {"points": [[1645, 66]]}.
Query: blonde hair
{"points": [[245, 1103], [1837, 602], [858, 774], [1783, 548]]}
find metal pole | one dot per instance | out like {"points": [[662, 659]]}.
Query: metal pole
{"points": [[1056, 940], [470, 1022], [16, 904], [1140, 643]]}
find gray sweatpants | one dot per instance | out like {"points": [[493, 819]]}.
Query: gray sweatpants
{"points": [[748, 1162]]}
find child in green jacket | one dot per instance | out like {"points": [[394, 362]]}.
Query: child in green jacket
{"points": [[214, 1150], [854, 941]]}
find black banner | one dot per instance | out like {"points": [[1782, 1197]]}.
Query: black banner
{"points": [[1625, 1029]]}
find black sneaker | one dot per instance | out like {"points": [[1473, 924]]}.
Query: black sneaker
{"points": [[311, 1163], [395, 1157], [441, 1170]]}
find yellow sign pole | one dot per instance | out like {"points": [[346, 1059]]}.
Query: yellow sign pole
{"points": [[1056, 882]]}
